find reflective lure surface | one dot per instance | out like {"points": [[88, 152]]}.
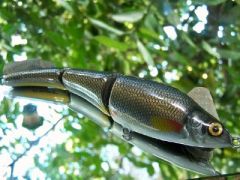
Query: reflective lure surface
{"points": [[191, 158], [163, 112], [143, 106]]}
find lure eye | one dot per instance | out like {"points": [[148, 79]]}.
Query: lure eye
{"points": [[215, 129]]}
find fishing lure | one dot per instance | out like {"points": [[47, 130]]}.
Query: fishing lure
{"points": [[146, 107], [191, 158]]}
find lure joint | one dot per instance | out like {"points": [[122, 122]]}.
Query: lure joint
{"points": [[127, 134], [236, 142]]}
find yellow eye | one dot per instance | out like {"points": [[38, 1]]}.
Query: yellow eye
{"points": [[215, 129]]}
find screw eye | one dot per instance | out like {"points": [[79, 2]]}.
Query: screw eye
{"points": [[215, 129]]}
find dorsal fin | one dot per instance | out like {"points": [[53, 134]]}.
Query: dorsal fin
{"points": [[27, 65], [203, 97]]}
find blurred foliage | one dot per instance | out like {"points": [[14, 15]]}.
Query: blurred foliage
{"points": [[130, 37]]}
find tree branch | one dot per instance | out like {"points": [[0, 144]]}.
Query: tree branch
{"points": [[31, 145]]}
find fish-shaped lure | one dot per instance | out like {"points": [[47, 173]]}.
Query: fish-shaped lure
{"points": [[146, 107], [191, 158]]}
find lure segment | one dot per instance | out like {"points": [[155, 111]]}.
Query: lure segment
{"points": [[32, 73], [142, 106], [27, 65], [41, 93], [95, 87], [165, 113], [41, 78]]}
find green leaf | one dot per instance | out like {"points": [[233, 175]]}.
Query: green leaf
{"points": [[173, 18], [123, 148], [149, 33], [234, 55], [208, 2], [56, 38], [178, 57], [146, 55], [105, 26], [210, 50], [66, 5], [9, 29], [111, 43], [150, 170], [188, 40], [128, 17]]}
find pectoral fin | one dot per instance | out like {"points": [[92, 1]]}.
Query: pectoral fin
{"points": [[203, 97]]}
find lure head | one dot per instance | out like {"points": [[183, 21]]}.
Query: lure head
{"points": [[206, 131]]}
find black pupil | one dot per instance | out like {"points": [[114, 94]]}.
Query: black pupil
{"points": [[215, 129]]}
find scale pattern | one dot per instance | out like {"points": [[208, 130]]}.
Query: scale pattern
{"points": [[42, 77], [89, 85], [136, 103]]}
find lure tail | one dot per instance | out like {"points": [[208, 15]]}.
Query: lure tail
{"points": [[27, 65], [93, 86], [32, 73]]}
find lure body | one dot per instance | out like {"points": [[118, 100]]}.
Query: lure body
{"points": [[143, 106], [191, 158]]}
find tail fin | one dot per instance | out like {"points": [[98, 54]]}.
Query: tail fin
{"points": [[33, 73], [27, 65]]}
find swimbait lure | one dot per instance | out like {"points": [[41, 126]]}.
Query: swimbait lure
{"points": [[191, 158], [146, 107]]}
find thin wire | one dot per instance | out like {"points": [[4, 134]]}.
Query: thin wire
{"points": [[222, 176], [1, 80]]}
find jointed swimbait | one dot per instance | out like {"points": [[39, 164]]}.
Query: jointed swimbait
{"points": [[192, 158], [143, 106]]}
